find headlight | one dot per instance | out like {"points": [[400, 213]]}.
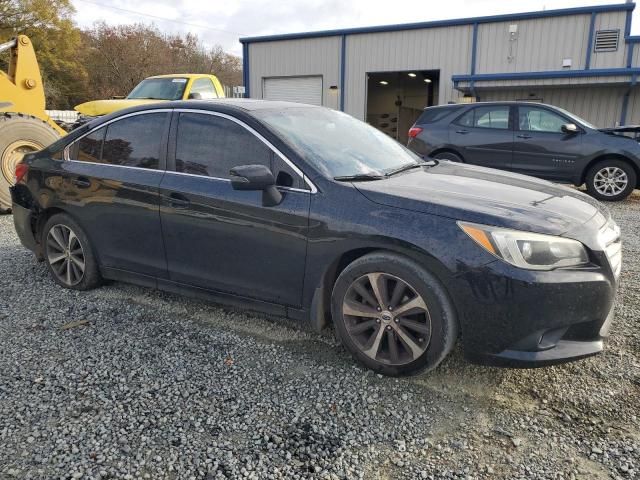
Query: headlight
{"points": [[527, 250]]}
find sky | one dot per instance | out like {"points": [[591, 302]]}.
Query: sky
{"points": [[224, 22]]}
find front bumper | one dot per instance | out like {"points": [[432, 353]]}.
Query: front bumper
{"points": [[520, 318]]}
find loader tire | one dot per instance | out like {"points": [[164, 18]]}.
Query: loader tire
{"points": [[19, 134]]}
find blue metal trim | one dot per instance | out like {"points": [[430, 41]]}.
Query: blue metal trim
{"points": [[627, 25], [630, 55], [446, 23], [474, 45], [245, 69], [343, 66], [625, 106], [632, 39], [550, 74], [587, 61]]}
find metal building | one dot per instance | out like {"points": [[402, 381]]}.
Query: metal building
{"points": [[582, 59]]}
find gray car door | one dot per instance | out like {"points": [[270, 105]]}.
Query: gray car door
{"points": [[484, 136], [540, 146]]}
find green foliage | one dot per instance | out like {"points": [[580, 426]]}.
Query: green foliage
{"points": [[105, 60]]}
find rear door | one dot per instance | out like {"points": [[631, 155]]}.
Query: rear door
{"points": [[222, 239], [111, 185], [541, 148], [484, 136]]}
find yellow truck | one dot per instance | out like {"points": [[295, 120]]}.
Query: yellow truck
{"points": [[190, 86], [25, 127]]}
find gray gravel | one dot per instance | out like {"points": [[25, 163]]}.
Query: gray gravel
{"points": [[126, 382]]}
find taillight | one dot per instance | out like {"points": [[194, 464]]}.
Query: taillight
{"points": [[21, 171], [414, 132]]}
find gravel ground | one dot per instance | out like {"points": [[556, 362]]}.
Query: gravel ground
{"points": [[126, 382]]}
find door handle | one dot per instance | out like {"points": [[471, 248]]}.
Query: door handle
{"points": [[523, 136], [462, 132], [81, 182], [177, 200]]}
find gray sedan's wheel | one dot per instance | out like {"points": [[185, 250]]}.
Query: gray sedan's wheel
{"points": [[68, 254], [611, 180], [450, 156], [392, 315]]}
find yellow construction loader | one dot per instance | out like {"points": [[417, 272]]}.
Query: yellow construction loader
{"points": [[24, 125]]}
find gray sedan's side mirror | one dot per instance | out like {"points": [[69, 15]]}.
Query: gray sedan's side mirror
{"points": [[570, 128], [256, 177]]}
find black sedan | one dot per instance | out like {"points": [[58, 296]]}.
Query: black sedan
{"points": [[308, 213], [534, 139]]}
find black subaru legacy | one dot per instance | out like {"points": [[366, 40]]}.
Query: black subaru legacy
{"points": [[310, 214], [534, 139]]}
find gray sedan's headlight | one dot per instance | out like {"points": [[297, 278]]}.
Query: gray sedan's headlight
{"points": [[527, 250]]}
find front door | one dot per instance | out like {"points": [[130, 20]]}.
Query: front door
{"points": [[541, 148], [112, 187], [226, 240], [484, 136]]}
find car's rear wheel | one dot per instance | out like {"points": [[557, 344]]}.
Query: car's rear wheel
{"points": [[450, 156], [611, 180], [392, 315], [68, 254]]}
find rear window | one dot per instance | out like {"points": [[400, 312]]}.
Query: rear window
{"points": [[433, 115]]}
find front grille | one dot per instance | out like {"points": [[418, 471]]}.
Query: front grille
{"points": [[612, 245]]}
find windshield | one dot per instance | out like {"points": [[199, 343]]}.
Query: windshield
{"points": [[336, 143], [159, 89], [576, 118]]}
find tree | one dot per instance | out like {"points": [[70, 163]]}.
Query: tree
{"points": [[49, 24]]}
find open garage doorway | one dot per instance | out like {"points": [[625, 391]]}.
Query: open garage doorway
{"points": [[396, 99]]}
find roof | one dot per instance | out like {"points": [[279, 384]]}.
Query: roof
{"points": [[182, 75], [246, 104], [446, 23]]}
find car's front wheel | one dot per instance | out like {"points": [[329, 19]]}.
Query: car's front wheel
{"points": [[611, 180], [68, 254], [392, 315]]}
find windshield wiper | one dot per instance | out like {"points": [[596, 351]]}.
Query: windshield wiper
{"points": [[360, 177], [411, 166]]}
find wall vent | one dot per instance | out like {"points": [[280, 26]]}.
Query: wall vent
{"points": [[606, 40]]}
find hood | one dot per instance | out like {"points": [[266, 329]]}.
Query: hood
{"points": [[488, 196], [97, 108]]}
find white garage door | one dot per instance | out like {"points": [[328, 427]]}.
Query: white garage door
{"points": [[294, 89]]}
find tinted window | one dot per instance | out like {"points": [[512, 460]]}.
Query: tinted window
{"points": [[534, 119], [433, 115], [204, 88], [486, 117], [160, 89], [135, 141], [88, 149], [211, 145]]}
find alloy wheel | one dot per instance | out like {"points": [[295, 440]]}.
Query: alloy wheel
{"points": [[610, 181], [65, 255], [386, 318]]}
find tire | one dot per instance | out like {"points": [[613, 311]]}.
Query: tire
{"points": [[432, 330], [611, 180], [450, 156], [19, 134], [58, 249]]}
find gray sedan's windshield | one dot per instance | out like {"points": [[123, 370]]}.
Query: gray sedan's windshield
{"points": [[159, 89], [338, 144]]}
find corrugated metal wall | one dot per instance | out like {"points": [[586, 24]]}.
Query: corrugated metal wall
{"points": [[610, 21], [539, 44], [601, 106], [314, 56], [444, 49]]}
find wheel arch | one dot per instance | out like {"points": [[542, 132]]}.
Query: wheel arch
{"points": [[320, 312], [446, 150], [41, 219], [610, 156]]}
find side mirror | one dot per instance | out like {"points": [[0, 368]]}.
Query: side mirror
{"points": [[256, 177], [570, 128], [195, 96]]}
